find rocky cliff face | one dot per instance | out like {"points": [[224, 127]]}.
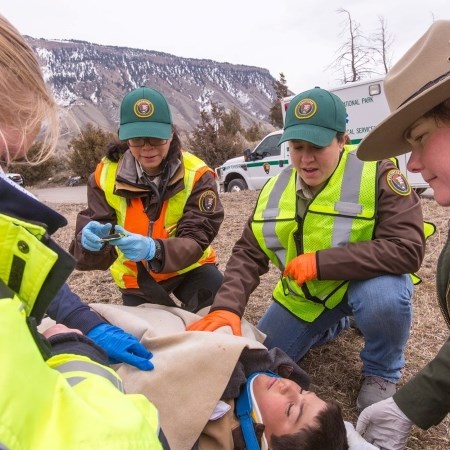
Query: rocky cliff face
{"points": [[90, 80]]}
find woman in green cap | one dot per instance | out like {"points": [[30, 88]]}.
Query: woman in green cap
{"points": [[164, 204], [345, 236]]}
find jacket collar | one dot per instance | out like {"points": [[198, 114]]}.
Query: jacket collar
{"points": [[129, 178], [23, 205]]}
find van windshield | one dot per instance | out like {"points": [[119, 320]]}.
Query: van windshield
{"points": [[268, 147]]}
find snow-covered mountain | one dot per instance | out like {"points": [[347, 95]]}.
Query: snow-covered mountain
{"points": [[90, 80]]}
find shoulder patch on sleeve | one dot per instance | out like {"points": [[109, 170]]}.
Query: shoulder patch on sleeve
{"points": [[398, 182], [207, 201]]}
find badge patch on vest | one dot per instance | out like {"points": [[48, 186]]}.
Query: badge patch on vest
{"points": [[207, 201], [398, 182]]}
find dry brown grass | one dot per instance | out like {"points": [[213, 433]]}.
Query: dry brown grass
{"points": [[334, 368]]}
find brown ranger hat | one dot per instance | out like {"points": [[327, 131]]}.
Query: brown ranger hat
{"points": [[418, 82]]}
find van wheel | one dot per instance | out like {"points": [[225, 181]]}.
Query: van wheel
{"points": [[237, 185]]}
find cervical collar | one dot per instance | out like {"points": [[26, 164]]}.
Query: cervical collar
{"points": [[248, 412]]}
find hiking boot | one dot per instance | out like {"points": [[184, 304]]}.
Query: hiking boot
{"points": [[374, 389]]}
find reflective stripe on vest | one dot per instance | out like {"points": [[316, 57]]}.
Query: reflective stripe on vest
{"points": [[133, 218], [346, 207], [89, 367], [86, 416]]}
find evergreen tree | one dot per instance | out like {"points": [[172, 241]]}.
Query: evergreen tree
{"points": [[254, 132], [87, 149], [218, 136], [281, 91]]}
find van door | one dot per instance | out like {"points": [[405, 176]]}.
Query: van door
{"points": [[266, 161]]}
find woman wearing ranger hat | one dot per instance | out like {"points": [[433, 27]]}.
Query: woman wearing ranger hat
{"points": [[344, 235], [418, 92], [164, 203]]}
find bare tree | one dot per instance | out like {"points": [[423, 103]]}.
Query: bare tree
{"points": [[354, 58], [382, 41]]}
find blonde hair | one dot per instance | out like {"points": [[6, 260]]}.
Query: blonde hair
{"points": [[26, 104]]}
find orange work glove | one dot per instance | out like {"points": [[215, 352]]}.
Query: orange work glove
{"points": [[302, 268], [217, 319]]}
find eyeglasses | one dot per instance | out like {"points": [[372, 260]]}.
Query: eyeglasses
{"points": [[140, 142]]}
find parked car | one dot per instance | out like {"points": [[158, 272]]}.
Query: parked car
{"points": [[16, 177], [73, 181]]}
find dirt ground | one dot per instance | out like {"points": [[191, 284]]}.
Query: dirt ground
{"points": [[335, 367]]}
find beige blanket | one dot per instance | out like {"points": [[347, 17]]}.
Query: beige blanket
{"points": [[191, 371]]}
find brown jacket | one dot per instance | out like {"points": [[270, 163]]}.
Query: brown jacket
{"points": [[195, 231], [398, 247]]}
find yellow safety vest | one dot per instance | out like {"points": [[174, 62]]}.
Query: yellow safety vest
{"points": [[67, 402], [133, 218], [343, 211], [76, 407]]}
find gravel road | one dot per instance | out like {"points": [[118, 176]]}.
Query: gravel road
{"points": [[64, 194], [77, 194]]}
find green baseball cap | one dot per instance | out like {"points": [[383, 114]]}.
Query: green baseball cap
{"points": [[314, 116], [144, 112]]}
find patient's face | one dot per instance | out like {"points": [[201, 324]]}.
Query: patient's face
{"points": [[285, 407]]}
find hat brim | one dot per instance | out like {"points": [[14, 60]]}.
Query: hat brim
{"points": [[145, 129], [319, 136], [387, 138]]}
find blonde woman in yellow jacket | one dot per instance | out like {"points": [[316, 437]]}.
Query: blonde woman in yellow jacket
{"points": [[55, 393]]}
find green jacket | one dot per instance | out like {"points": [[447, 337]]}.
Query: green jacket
{"points": [[425, 399]]}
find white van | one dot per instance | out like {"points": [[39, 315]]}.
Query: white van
{"points": [[252, 170], [366, 106]]}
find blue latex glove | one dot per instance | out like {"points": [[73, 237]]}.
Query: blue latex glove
{"points": [[91, 234], [121, 346], [135, 247]]}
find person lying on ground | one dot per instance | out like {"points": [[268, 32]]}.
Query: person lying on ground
{"points": [[210, 384]]}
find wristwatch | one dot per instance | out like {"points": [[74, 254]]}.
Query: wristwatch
{"points": [[158, 251]]}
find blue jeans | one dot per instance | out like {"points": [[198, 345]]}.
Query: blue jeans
{"points": [[382, 309]]}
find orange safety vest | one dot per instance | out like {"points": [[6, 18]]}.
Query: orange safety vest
{"points": [[133, 218]]}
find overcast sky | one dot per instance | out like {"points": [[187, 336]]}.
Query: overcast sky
{"points": [[296, 37]]}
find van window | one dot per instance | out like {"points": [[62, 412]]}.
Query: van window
{"points": [[270, 146]]}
